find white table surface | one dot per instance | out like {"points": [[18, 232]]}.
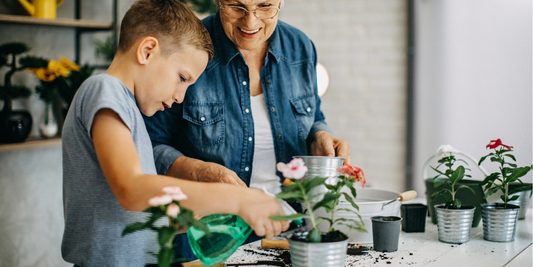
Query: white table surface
{"points": [[424, 249]]}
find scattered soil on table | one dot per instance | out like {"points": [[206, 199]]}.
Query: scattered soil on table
{"points": [[279, 255]]}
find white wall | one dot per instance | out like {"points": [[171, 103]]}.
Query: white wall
{"points": [[473, 78]]}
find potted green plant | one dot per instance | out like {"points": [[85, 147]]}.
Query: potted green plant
{"points": [[179, 218], [15, 125], [499, 219], [316, 248], [454, 219]]}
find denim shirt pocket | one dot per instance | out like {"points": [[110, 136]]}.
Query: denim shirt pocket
{"points": [[304, 111], [205, 125]]}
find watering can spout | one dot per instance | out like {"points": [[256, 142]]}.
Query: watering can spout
{"points": [[28, 6]]}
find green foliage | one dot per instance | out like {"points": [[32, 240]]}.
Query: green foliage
{"points": [[105, 48], [509, 173], [33, 62], [301, 191], [450, 177], [14, 48], [14, 91], [165, 233]]}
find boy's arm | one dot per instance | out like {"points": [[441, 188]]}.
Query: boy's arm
{"points": [[121, 166]]}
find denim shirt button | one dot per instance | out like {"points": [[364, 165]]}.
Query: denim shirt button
{"points": [[250, 139], [268, 81], [244, 83], [308, 109], [202, 118], [246, 169], [272, 109], [247, 110]]}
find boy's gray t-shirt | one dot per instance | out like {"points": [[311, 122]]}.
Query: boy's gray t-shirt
{"points": [[94, 220]]}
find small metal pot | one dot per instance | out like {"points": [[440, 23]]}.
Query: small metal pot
{"points": [[326, 254], [499, 222], [325, 167], [454, 224]]}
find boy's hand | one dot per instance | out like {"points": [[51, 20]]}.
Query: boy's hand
{"points": [[256, 207], [202, 171]]}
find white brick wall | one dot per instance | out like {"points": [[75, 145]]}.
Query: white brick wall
{"points": [[362, 44]]}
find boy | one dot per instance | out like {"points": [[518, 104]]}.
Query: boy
{"points": [[108, 166]]}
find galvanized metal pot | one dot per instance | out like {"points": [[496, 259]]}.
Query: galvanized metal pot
{"points": [[325, 254], [499, 222], [454, 224], [325, 167]]}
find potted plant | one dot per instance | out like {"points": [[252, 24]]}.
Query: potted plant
{"points": [[499, 219], [15, 125], [454, 219], [53, 78], [315, 248], [179, 218]]}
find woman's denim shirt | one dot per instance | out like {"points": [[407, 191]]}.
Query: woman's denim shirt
{"points": [[214, 123]]}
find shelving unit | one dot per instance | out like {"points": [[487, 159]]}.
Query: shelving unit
{"points": [[81, 26]]}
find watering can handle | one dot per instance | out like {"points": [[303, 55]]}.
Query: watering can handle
{"points": [[426, 165]]}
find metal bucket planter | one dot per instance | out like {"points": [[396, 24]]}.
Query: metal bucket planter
{"points": [[522, 201], [326, 254], [499, 223], [319, 166], [454, 224]]}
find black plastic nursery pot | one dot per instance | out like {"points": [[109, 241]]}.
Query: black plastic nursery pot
{"points": [[465, 196], [414, 217], [386, 233]]}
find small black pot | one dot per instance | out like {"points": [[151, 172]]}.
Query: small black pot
{"points": [[414, 218], [15, 126], [386, 233]]}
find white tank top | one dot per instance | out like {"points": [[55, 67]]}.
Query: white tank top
{"points": [[264, 161]]}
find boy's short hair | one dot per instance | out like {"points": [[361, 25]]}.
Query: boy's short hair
{"points": [[169, 21]]}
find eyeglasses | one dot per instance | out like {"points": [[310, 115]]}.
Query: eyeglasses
{"points": [[237, 12]]}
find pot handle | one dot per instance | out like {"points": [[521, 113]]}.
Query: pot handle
{"points": [[449, 149]]}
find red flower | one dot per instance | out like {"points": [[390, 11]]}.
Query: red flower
{"points": [[353, 173], [496, 143]]}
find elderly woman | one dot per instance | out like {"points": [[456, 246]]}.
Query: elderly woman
{"points": [[255, 105]]}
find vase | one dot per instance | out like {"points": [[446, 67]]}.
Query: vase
{"points": [[15, 126], [414, 218], [386, 233], [499, 222], [454, 225], [323, 254], [48, 127]]}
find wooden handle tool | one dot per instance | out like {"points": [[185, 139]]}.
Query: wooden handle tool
{"points": [[407, 195], [200, 264], [275, 243]]}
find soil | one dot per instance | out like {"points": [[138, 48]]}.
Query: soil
{"points": [[326, 237]]}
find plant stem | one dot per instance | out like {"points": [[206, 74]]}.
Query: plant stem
{"points": [[308, 204]]}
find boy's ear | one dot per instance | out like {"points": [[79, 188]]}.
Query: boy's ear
{"points": [[146, 49]]}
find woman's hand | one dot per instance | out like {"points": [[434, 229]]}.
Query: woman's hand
{"points": [[325, 144], [255, 209], [202, 171]]}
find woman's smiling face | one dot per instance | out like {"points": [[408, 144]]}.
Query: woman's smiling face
{"points": [[249, 32]]}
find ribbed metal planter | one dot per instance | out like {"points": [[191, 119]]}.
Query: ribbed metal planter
{"points": [[454, 224], [523, 202], [499, 223], [327, 254], [319, 166]]}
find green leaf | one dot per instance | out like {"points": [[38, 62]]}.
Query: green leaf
{"points": [[517, 173], [314, 236], [289, 217], [466, 187], [483, 158], [165, 235], [291, 195], [438, 193], [328, 202], [165, 257], [519, 189], [510, 156], [311, 183], [349, 199], [441, 181], [457, 175], [134, 227], [515, 197]]}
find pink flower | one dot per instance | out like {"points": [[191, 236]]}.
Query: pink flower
{"points": [[160, 200], [353, 173], [295, 169], [496, 143], [175, 192], [173, 210]]}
